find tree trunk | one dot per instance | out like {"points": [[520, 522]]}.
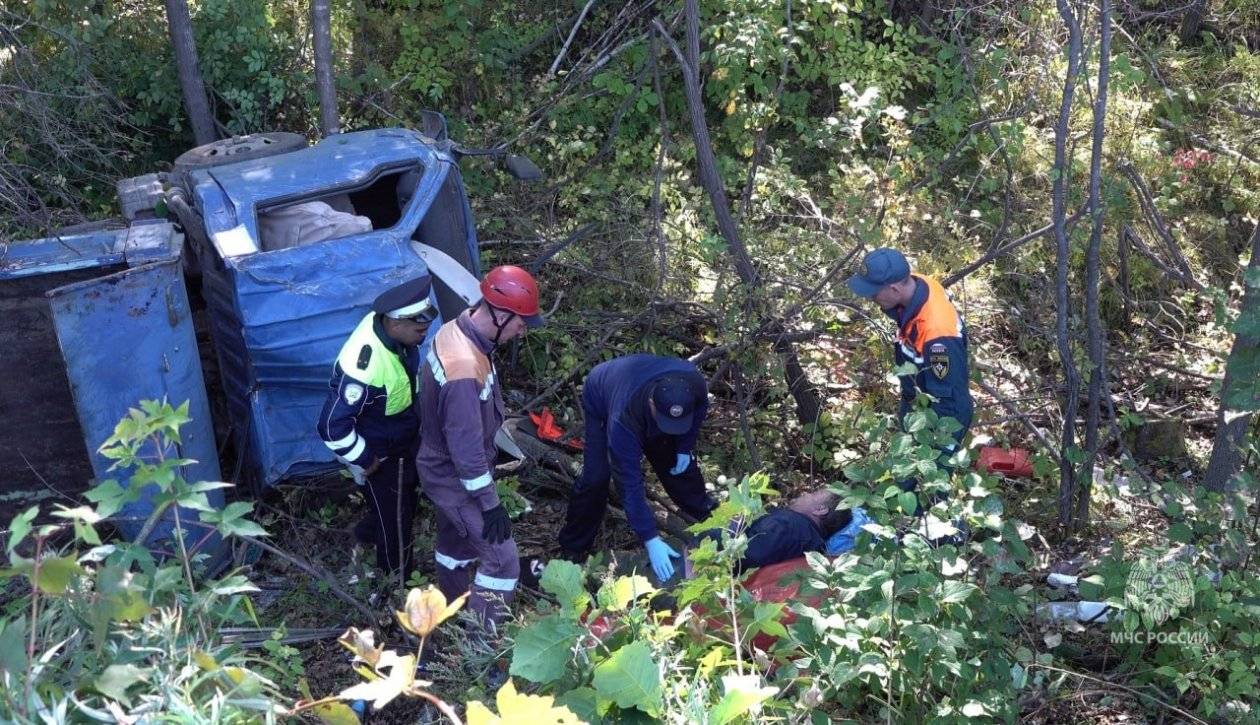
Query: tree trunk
{"points": [[325, 85], [1071, 381], [190, 82], [1191, 22], [808, 400], [706, 162], [1096, 340], [1238, 390]]}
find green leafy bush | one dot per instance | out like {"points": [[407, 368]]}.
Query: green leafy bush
{"points": [[106, 631]]}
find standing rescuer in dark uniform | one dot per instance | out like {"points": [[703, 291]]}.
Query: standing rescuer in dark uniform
{"points": [[369, 420], [461, 408], [930, 334], [636, 406]]}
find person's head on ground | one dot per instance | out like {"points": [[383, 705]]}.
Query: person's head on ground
{"points": [[820, 507], [407, 310], [509, 304], [673, 404], [884, 277]]}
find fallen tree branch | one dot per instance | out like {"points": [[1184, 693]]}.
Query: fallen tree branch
{"points": [[1022, 416], [1156, 222], [318, 572], [1132, 237], [1011, 245], [564, 49]]}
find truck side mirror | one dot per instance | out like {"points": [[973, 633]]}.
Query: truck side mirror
{"points": [[521, 168], [433, 125]]}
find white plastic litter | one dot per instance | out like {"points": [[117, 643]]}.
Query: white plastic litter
{"points": [[1062, 581], [1085, 612]]}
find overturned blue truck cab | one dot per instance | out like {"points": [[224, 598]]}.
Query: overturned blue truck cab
{"points": [[287, 250], [279, 314]]}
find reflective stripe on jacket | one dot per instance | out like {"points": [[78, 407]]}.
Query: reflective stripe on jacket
{"points": [[461, 407], [369, 413]]}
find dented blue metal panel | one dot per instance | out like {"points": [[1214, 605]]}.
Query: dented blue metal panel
{"points": [[144, 241], [279, 318], [230, 195], [128, 337], [296, 308]]}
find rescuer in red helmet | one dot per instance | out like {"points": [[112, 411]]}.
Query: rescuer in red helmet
{"points": [[461, 408]]}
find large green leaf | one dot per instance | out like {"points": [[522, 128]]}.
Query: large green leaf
{"points": [[563, 580], [13, 645], [541, 650], [953, 591], [581, 701], [743, 693], [115, 680], [122, 597], [335, 713], [630, 678], [617, 594], [55, 574], [20, 526]]}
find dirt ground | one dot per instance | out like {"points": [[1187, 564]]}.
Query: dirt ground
{"points": [[44, 459]]}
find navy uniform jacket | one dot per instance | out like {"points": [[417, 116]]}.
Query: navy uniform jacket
{"points": [[932, 337], [779, 535], [618, 391], [354, 422]]}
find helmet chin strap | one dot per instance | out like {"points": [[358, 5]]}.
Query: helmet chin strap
{"points": [[494, 319]]}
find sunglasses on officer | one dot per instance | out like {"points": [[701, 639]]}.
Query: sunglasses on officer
{"points": [[423, 317]]}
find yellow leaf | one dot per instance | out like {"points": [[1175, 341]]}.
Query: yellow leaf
{"points": [[361, 642], [401, 676], [335, 713], [426, 609], [478, 714], [205, 661], [730, 107], [518, 708]]}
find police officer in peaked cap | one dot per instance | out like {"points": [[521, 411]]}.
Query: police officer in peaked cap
{"points": [[369, 420]]}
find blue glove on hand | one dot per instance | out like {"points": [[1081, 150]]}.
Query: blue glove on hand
{"points": [[680, 464], [660, 554]]}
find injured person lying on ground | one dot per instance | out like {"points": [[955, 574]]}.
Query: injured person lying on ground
{"points": [[781, 534], [791, 531]]}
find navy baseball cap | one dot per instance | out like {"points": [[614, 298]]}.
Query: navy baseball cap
{"points": [[880, 268], [675, 404]]}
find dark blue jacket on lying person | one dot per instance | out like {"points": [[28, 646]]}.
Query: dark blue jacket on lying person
{"points": [[792, 531]]}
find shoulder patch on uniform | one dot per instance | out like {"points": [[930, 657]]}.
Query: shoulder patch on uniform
{"points": [[365, 356], [353, 393], [938, 359]]}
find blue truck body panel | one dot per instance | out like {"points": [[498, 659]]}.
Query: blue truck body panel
{"points": [[279, 318], [140, 243], [127, 337]]}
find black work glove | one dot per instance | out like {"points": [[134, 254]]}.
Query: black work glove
{"points": [[496, 527]]}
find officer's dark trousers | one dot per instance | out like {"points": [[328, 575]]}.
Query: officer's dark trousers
{"points": [[589, 499], [391, 493]]}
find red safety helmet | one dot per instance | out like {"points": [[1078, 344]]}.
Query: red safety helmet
{"points": [[512, 288]]}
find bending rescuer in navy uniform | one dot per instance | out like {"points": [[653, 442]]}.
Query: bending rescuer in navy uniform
{"points": [[636, 406], [930, 334], [370, 421]]}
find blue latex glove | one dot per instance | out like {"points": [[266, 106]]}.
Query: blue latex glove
{"points": [[660, 554], [680, 464]]}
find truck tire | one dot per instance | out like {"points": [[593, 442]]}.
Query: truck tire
{"points": [[240, 148]]}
